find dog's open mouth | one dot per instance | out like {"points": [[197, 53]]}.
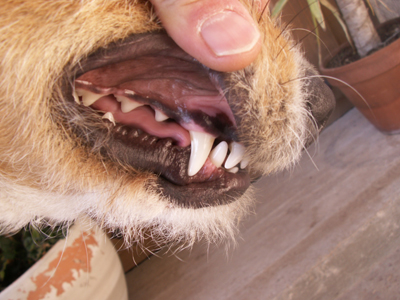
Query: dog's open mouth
{"points": [[171, 118]]}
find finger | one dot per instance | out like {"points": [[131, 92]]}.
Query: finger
{"points": [[220, 34]]}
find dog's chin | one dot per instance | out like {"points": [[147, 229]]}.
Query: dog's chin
{"points": [[150, 107]]}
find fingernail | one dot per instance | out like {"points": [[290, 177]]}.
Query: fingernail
{"points": [[229, 33]]}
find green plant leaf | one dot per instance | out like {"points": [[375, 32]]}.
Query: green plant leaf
{"points": [[7, 248], [278, 7], [318, 40], [316, 12], [336, 14]]}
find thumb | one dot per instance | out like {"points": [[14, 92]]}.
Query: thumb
{"points": [[220, 34]]}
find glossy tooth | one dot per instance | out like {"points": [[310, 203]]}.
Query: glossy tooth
{"points": [[88, 98], [160, 116], [236, 155], [76, 97], [201, 143], [109, 116], [218, 154], [244, 163], [233, 170], [127, 104]]}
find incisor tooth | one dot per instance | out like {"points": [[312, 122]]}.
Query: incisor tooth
{"points": [[236, 155], [218, 154], [201, 143], [160, 116], [127, 104], [233, 170], [109, 116], [88, 98], [244, 163]]}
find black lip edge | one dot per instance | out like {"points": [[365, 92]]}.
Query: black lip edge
{"points": [[198, 195], [221, 191]]}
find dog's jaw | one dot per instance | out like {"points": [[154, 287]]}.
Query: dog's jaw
{"points": [[47, 173], [169, 111]]}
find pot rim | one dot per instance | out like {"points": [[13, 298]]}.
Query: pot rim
{"points": [[381, 61]]}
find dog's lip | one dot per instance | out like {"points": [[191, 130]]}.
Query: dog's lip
{"points": [[209, 188], [154, 43]]}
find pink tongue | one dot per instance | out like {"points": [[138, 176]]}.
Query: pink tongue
{"points": [[143, 118]]}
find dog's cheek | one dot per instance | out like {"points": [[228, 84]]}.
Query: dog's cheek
{"points": [[268, 99], [34, 55]]}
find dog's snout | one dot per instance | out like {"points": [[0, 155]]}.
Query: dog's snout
{"points": [[321, 101]]}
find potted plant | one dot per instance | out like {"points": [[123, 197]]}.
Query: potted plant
{"points": [[84, 265], [366, 69]]}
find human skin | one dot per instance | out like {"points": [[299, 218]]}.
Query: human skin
{"points": [[220, 34]]}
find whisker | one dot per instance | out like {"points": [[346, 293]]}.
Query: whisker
{"points": [[304, 147], [336, 79], [312, 160], [341, 81], [292, 19], [298, 42], [59, 261], [313, 33], [304, 37], [263, 11]]}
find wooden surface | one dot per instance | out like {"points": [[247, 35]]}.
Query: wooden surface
{"points": [[326, 233]]}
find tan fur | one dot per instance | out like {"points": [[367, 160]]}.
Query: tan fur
{"points": [[45, 174]]}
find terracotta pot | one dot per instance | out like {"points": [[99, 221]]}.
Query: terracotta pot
{"points": [[83, 266], [377, 78]]}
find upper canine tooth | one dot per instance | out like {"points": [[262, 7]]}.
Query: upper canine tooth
{"points": [[76, 97], [127, 104], [88, 98], [218, 154], [201, 143], [236, 155], [160, 116], [109, 116]]}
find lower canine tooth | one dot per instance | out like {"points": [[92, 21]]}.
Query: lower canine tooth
{"points": [[201, 144], [236, 155], [109, 116], [218, 154], [88, 98], [160, 116]]}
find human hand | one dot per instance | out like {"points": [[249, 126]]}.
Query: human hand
{"points": [[221, 34]]}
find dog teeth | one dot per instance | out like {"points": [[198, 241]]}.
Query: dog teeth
{"points": [[201, 149], [201, 143], [76, 97], [236, 155], [235, 159], [244, 163], [218, 154], [127, 104], [160, 116], [109, 116], [88, 98], [233, 170]]}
